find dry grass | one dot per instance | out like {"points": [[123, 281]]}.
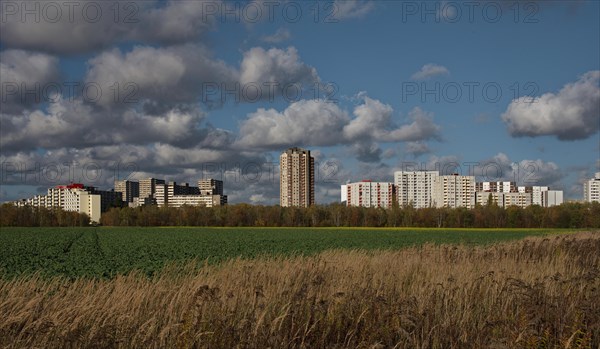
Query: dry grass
{"points": [[534, 293]]}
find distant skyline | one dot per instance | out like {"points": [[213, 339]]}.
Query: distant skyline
{"points": [[183, 90]]}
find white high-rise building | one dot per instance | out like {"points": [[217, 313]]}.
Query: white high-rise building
{"points": [[82, 201], [415, 188], [454, 191], [370, 194], [536, 194], [344, 193], [545, 197], [552, 198], [591, 189]]}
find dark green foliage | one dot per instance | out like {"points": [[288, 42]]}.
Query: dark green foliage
{"points": [[569, 215], [105, 252], [13, 216]]}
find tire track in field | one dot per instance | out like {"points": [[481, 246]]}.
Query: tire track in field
{"points": [[97, 245], [69, 244]]}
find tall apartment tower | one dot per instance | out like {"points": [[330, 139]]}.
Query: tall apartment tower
{"points": [[415, 188], [148, 187], [591, 189], [297, 178], [128, 189]]}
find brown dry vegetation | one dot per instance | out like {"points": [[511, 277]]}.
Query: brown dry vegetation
{"points": [[534, 293]]}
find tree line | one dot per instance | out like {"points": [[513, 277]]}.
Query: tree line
{"points": [[27, 216], [568, 215]]}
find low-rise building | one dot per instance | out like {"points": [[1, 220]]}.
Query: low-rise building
{"points": [[503, 199], [174, 195]]}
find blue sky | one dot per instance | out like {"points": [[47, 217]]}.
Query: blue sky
{"points": [[513, 83]]}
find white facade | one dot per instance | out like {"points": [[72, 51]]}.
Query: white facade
{"points": [[79, 200], [370, 194], [454, 191], [344, 193], [536, 194], [552, 198], [545, 197], [69, 198], [415, 188], [501, 187], [591, 189]]}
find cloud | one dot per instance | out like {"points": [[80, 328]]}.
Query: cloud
{"points": [[281, 68], [306, 122], [320, 123], [22, 71], [99, 165], [525, 172], [348, 9], [417, 148], [257, 199], [429, 71], [88, 26], [367, 151], [166, 76], [281, 35], [177, 22], [71, 123], [374, 121], [571, 114], [389, 153]]}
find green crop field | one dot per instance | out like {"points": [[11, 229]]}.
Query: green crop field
{"points": [[106, 252]]}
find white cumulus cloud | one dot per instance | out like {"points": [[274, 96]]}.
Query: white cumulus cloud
{"points": [[429, 71], [570, 114]]}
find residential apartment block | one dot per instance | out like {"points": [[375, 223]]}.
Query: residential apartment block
{"points": [[344, 193], [148, 187], [370, 194], [73, 197], [454, 191], [503, 199], [542, 195], [591, 189], [175, 195], [297, 178], [210, 187], [415, 188], [501, 187], [128, 189]]}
